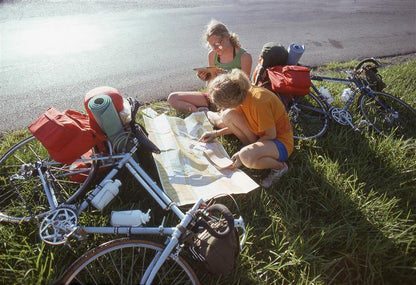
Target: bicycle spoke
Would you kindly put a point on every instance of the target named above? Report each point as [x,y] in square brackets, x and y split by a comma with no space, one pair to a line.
[308,117]
[24,163]
[127,260]
[387,115]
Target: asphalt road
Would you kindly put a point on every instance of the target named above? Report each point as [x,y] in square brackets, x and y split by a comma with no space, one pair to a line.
[53,52]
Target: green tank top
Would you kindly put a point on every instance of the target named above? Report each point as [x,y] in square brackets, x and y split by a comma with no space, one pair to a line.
[236,63]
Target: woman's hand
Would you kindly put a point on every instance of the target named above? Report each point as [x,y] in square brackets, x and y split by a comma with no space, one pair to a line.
[236,160]
[211,74]
[203,75]
[208,136]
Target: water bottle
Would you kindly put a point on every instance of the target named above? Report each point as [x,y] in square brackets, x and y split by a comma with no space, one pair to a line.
[327,95]
[106,194]
[346,94]
[131,218]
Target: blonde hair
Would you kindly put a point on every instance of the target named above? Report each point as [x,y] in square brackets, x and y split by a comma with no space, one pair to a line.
[229,90]
[216,28]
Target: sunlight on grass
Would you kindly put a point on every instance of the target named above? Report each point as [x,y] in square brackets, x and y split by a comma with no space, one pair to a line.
[345,213]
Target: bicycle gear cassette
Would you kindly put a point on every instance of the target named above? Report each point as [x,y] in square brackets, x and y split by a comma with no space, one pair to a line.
[58,226]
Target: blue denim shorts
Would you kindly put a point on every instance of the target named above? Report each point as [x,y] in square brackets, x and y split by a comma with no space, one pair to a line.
[282,150]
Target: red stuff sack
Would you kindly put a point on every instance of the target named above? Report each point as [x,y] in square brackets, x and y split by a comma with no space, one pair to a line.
[290,79]
[81,166]
[65,135]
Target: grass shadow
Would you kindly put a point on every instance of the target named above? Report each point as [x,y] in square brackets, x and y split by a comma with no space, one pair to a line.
[341,227]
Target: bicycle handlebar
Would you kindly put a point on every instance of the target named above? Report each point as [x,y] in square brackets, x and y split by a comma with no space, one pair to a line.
[371,60]
[138,130]
[228,216]
[144,140]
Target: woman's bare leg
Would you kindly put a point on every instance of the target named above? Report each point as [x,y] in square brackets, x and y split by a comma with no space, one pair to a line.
[261,155]
[234,120]
[187,101]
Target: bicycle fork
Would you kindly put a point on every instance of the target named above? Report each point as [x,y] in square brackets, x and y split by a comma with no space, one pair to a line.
[161,257]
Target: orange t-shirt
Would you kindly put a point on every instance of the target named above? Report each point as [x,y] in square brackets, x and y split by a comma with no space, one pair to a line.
[262,109]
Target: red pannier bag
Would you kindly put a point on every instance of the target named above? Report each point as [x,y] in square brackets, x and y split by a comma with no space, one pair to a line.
[290,79]
[65,135]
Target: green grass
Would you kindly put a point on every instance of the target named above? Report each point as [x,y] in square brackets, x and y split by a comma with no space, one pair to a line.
[343,214]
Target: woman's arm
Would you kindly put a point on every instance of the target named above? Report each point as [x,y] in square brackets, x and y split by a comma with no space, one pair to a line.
[210,136]
[269,134]
[211,61]
[246,63]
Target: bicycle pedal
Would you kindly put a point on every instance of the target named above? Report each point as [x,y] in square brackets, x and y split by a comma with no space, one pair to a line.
[80,234]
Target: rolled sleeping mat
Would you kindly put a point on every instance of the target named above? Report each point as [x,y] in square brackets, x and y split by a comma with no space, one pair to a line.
[110,91]
[295,53]
[106,115]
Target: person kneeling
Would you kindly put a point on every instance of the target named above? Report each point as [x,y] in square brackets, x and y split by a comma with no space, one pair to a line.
[259,120]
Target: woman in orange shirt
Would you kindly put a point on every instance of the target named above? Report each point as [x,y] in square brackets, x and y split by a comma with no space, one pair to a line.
[259,120]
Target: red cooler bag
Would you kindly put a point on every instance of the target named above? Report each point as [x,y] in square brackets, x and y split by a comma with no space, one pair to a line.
[65,135]
[290,79]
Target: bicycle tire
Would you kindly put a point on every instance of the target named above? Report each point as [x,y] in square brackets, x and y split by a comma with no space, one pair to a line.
[308,117]
[387,115]
[123,261]
[24,199]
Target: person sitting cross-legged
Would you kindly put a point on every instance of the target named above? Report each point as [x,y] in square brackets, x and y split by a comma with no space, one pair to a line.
[225,54]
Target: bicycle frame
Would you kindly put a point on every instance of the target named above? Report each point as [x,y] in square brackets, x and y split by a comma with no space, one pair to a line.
[63,218]
[359,88]
[347,81]
[341,115]
[66,225]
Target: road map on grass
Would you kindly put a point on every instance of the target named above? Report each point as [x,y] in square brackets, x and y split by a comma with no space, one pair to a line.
[190,170]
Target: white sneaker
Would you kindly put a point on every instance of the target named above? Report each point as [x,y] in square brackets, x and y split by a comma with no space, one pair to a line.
[236,160]
[274,175]
[203,109]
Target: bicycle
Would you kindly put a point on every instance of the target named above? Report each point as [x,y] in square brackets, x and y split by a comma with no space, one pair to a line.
[311,114]
[33,187]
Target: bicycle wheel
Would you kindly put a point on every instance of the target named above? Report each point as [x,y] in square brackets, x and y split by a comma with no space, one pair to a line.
[308,117]
[22,196]
[124,261]
[386,113]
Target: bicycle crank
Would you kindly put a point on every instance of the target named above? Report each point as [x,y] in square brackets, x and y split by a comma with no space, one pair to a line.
[341,116]
[58,226]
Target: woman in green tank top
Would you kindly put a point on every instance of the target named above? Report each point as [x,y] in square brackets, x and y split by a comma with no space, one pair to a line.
[235,63]
[225,53]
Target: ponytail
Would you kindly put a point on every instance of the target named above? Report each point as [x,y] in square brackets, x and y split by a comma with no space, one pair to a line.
[234,40]
[216,28]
